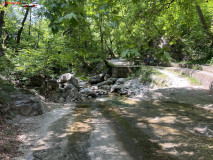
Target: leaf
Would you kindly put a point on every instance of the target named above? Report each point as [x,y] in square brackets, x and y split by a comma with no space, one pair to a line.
[70,16]
[130,53]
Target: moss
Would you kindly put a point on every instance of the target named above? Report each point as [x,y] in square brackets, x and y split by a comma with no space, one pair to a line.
[193,80]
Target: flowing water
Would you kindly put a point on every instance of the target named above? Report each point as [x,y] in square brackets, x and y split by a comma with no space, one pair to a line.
[116,128]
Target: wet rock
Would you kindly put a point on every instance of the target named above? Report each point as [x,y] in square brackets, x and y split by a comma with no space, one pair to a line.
[120,81]
[88,92]
[83,105]
[108,82]
[90,97]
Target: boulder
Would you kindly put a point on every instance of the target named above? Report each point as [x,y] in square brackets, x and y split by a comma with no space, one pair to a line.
[88,92]
[106,87]
[108,82]
[97,79]
[131,82]
[94,87]
[26,105]
[65,78]
[116,88]
[72,95]
[83,84]
[74,82]
[101,92]
[120,81]
[113,80]
[61,100]
[107,76]
[67,87]
[54,97]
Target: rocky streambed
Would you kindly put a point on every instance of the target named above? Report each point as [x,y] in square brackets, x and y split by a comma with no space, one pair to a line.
[163,123]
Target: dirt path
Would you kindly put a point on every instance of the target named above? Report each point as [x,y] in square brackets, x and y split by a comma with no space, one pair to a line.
[166,123]
[175,80]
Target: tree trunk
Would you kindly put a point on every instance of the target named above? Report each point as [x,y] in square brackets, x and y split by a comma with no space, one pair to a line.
[5,40]
[204,24]
[2,13]
[38,37]
[22,26]
[30,23]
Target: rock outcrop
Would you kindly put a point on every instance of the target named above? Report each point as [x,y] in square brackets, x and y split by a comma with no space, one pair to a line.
[26,105]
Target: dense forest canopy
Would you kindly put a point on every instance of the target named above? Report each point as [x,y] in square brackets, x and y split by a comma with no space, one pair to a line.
[60,35]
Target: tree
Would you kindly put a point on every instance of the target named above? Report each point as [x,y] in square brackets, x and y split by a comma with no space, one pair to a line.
[2,13]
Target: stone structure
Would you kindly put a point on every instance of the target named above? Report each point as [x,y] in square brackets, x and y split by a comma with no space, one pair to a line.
[122,68]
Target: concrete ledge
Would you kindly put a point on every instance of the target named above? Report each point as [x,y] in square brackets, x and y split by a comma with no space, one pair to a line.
[190,66]
[206,78]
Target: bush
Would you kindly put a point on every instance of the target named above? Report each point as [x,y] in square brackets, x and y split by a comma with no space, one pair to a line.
[144,74]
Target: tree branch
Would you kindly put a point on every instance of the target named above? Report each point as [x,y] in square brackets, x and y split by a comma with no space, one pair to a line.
[166,4]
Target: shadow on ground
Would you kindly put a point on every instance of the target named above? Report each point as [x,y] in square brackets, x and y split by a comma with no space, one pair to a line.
[168,126]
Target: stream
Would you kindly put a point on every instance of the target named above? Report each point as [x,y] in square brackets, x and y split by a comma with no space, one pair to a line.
[118,128]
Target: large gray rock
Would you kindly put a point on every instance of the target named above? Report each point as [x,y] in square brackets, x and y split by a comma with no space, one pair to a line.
[132,82]
[74,82]
[67,87]
[54,97]
[107,76]
[69,79]
[108,82]
[116,88]
[113,80]
[65,78]
[26,105]
[97,79]
[83,84]
[101,92]
[88,92]
[72,95]
[120,81]
[105,87]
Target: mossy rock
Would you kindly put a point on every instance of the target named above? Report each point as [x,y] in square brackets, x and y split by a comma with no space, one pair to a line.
[83,105]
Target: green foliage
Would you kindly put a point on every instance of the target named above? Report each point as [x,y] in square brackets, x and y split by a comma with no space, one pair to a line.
[144,74]
[130,54]
[193,80]
[6,88]
[86,31]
